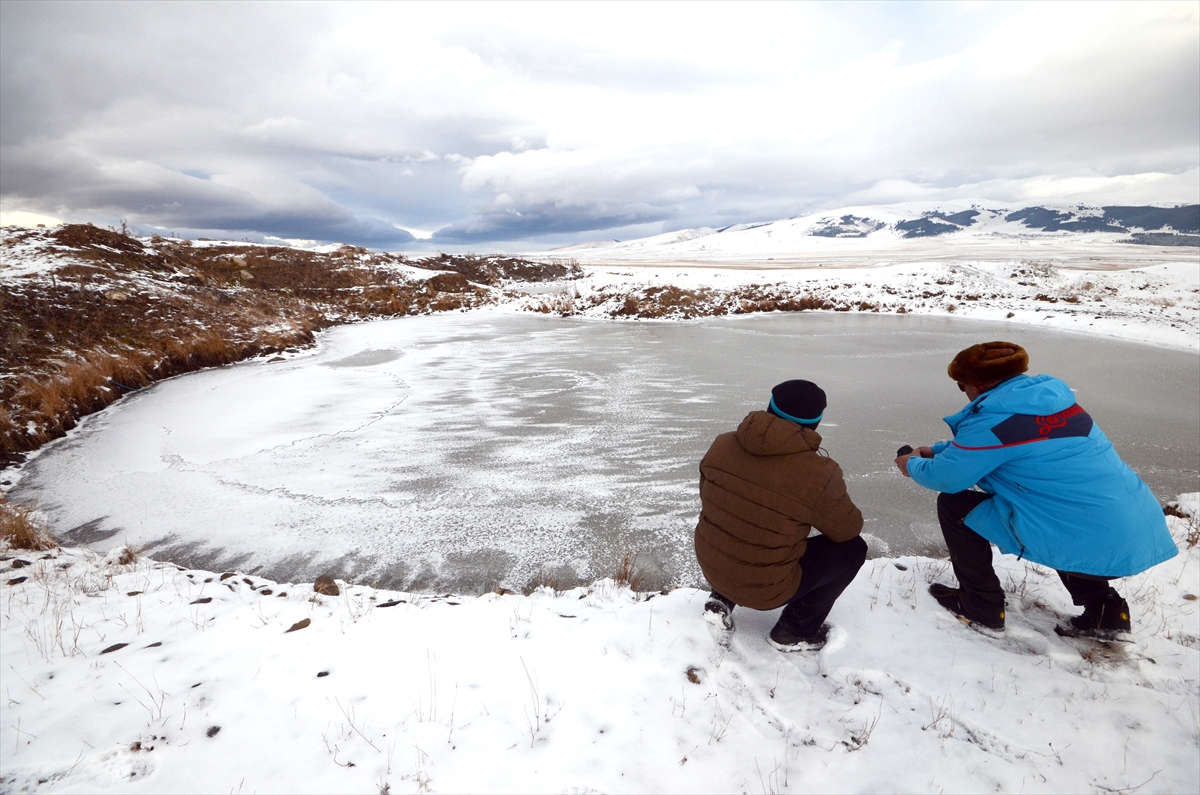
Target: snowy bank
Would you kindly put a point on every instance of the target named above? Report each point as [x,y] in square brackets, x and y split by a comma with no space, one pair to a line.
[1157,304]
[144,677]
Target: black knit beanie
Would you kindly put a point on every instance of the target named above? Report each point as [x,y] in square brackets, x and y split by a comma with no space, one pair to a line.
[802,402]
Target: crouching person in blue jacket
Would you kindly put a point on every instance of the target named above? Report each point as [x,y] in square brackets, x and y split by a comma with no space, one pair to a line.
[1051,489]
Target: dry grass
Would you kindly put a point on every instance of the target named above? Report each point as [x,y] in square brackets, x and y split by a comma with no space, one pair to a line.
[52,401]
[675,302]
[543,579]
[19,529]
[626,571]
[127,556]
[1192,529]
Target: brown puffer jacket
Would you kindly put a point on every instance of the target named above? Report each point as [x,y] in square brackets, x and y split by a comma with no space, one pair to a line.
[761,490]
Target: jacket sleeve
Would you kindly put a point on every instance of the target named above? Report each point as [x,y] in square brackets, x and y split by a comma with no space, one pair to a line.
[955,469]
[835,514]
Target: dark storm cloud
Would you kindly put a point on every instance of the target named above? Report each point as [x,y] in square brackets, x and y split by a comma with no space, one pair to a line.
[515,123]
[544,220]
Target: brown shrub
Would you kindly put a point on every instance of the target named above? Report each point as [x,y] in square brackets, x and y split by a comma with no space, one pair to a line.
[20,530]
[449,283]
[808,302]
[448,302]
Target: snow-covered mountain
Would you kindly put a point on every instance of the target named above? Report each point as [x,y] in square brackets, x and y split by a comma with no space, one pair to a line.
[966,227]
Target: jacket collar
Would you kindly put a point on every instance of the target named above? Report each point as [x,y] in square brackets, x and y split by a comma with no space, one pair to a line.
[979,404]
[763,433]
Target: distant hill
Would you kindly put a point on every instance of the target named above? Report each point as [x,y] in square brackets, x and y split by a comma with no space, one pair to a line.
[987,226]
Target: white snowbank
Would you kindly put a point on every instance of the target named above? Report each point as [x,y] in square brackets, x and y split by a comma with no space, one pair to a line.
[596,689]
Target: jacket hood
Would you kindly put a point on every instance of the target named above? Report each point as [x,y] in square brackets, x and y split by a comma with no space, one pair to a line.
[1039,395]
[762,433]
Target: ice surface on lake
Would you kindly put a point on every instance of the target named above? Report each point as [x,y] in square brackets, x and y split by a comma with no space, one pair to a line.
[467,451]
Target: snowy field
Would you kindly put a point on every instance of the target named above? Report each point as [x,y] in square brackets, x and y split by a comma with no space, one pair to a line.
[146,677]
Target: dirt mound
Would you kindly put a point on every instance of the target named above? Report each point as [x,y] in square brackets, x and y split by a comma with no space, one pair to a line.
[86,235]
[497,270]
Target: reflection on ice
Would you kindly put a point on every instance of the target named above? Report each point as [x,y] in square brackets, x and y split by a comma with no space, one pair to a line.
[464,452]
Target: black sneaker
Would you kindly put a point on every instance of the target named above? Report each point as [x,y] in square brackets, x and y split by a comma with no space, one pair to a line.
[718,611]
[785,639]
[951,599]
[1106,619]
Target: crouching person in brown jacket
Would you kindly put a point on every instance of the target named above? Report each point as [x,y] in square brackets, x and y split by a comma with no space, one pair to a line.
[762,489]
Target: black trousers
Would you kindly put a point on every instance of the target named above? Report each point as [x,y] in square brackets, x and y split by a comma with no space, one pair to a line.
[971,557]
[828,568]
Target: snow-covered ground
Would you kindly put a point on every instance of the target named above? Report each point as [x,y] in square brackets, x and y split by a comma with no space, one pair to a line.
[145,677]
[1153,303]
[600,689]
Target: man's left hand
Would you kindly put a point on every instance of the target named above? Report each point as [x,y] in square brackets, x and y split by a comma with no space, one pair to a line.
[902,465]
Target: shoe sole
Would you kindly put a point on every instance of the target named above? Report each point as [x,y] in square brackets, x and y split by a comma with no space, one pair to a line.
[1103,635]
[978,627]
[789,648]
[722,621]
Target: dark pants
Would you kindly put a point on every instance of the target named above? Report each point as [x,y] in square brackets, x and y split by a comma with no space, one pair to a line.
[828,568]
[971,557]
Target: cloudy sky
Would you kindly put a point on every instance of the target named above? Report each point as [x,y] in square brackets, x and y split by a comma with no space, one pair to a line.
[508,126]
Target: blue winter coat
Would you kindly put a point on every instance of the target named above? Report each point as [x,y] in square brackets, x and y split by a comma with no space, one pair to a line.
[1063,497]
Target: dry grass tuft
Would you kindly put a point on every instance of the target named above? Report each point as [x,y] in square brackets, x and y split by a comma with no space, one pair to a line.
[127,556]
[20,530]
[543,579]
[627,572]
[1192,530]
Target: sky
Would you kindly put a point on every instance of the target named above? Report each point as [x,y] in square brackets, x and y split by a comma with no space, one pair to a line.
[512,126]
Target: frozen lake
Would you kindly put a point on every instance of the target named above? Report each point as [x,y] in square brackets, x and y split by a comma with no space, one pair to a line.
[461,452]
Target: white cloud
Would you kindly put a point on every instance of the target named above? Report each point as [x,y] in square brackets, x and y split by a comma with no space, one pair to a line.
[22,218]
[1146,188]
[528,120]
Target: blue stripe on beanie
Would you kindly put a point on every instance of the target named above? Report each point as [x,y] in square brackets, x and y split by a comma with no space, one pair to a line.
[787,416]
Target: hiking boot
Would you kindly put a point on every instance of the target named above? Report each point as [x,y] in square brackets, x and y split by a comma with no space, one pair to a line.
[718,611]
[1104,619]
[952,600]
[786,639]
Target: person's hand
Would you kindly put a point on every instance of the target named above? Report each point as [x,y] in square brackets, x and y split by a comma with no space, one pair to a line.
[924,452]
[902,464]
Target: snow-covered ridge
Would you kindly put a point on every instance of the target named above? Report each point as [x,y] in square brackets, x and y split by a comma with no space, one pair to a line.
[965,228]
[144,677]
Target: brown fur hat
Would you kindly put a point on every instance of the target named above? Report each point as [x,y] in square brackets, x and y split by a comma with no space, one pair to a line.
[989,363]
